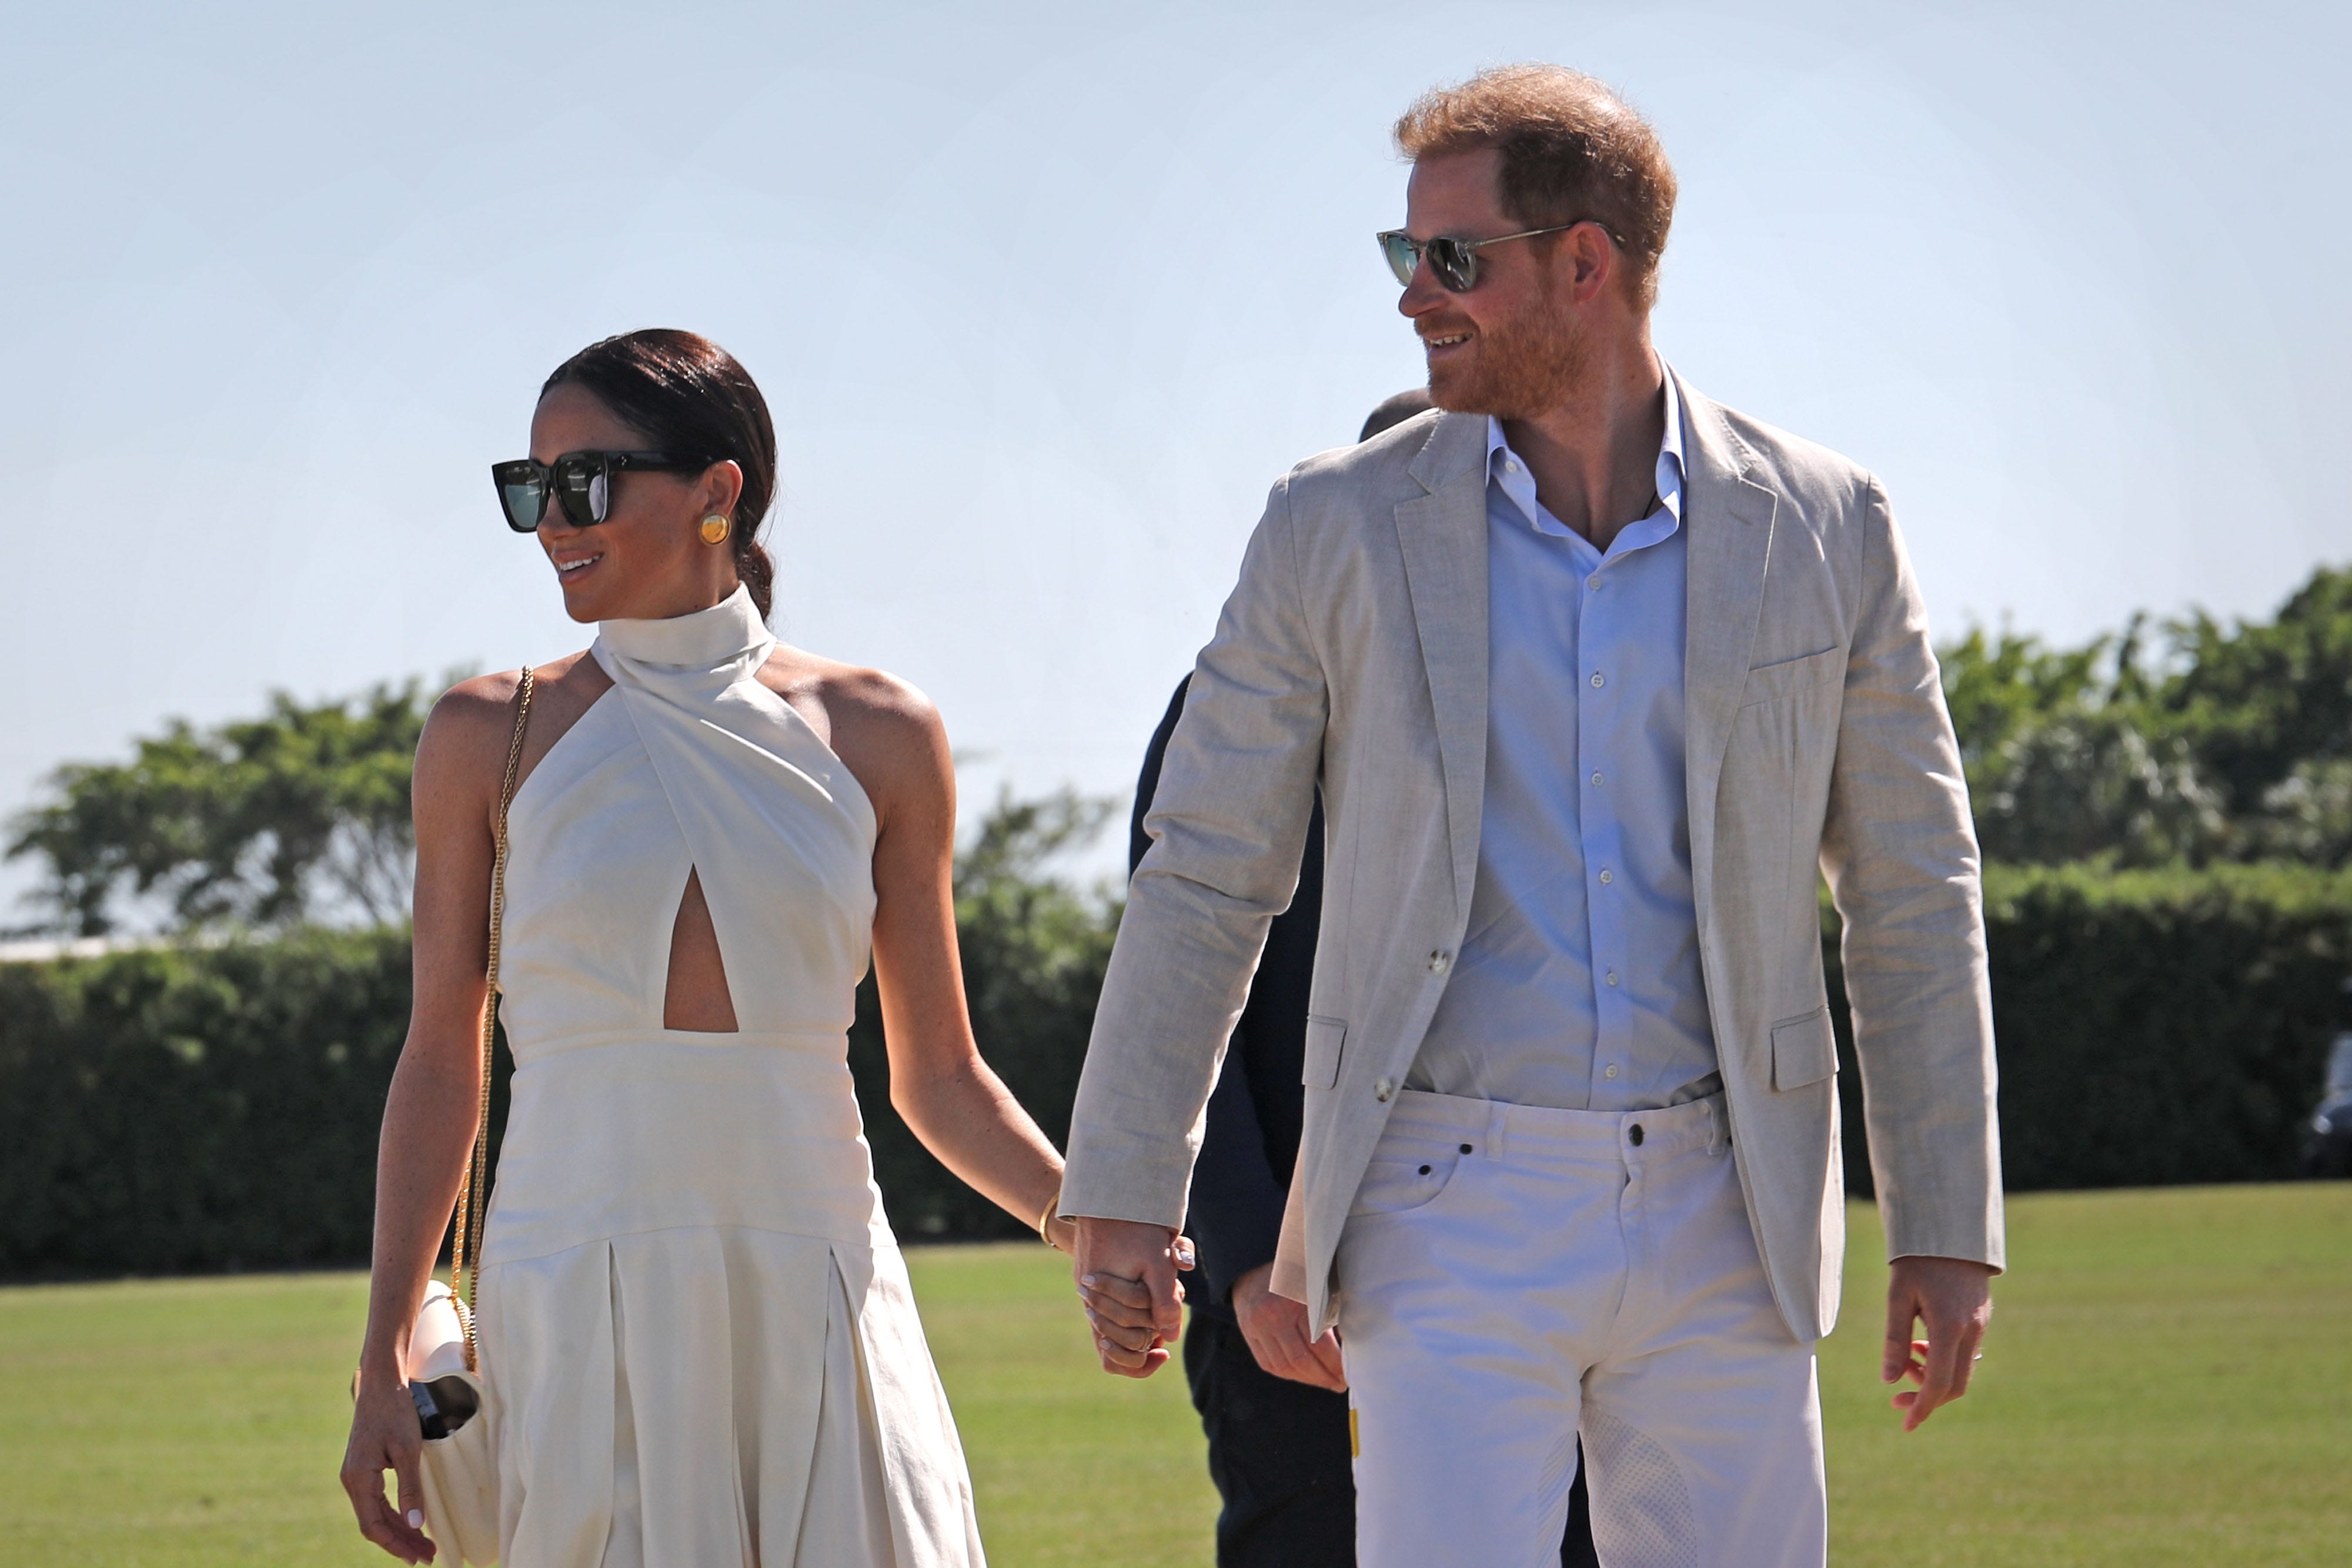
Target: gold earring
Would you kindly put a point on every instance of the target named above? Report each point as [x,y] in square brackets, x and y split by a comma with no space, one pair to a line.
[716,527]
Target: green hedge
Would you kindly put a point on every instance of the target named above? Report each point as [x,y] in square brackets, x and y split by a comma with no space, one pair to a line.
[217,1108]
[188,1108]
[200,1108]
[2154,1027]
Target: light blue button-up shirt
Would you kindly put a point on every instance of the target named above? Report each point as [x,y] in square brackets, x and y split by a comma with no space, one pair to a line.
[1578,985]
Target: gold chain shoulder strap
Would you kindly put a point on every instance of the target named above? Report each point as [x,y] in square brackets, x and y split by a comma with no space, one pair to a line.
[467,1244]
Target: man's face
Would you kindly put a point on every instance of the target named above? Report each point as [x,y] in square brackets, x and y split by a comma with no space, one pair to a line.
[1514,345]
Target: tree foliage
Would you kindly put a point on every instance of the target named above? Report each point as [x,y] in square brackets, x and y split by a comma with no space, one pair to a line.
[2204,742]
[261,822]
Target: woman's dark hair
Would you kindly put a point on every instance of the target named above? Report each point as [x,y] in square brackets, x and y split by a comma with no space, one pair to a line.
[689,397]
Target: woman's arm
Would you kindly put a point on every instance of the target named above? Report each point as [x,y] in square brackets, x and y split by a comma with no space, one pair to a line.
[430,1114]
[893,739]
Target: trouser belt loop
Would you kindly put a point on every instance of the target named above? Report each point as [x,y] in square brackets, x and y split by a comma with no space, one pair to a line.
[1497,1118]
[1715,1139]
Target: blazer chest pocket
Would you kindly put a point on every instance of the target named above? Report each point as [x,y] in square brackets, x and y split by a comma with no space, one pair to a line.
[1803,1050]
[1325,1038]
[1769,682]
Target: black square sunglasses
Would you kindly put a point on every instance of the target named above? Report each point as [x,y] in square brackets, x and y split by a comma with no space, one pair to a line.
[581,482]
[1453,261]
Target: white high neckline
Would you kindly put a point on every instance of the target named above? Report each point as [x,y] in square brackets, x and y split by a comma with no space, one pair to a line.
[703,639]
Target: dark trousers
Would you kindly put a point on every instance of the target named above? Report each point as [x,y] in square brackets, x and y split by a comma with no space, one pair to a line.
[1279,1455]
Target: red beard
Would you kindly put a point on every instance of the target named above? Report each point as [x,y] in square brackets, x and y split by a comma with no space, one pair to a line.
[1518,369]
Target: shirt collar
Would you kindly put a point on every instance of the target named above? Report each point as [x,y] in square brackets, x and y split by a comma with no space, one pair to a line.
[1504,470]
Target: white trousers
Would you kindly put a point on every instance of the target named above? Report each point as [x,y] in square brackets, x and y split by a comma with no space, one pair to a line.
[1511,1275]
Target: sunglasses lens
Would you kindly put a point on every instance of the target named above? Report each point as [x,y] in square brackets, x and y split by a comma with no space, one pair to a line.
[522,492]
[1456,263]
[584,485]
[1399,249]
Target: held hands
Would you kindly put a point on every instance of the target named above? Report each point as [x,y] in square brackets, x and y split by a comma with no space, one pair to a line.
[1952,1299]
[385,1437]
[1126,1274]
[1276,1328]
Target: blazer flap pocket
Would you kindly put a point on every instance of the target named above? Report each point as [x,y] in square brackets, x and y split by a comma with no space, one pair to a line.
[1791,676]
[1803,1050]
[1323,1039]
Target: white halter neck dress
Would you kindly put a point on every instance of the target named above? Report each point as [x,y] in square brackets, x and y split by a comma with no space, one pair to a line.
[695,1322]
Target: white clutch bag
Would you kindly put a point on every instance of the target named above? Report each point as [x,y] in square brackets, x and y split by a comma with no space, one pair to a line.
[460,1470]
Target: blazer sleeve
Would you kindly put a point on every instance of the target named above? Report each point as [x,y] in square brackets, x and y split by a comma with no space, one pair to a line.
[1899,849]
[1236,1207]
[1227,826]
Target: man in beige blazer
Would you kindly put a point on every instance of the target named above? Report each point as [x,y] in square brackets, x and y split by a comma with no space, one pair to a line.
[1596,677]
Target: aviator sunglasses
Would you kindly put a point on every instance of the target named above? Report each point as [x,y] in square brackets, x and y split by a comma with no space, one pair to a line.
[1453,262]
[581,482]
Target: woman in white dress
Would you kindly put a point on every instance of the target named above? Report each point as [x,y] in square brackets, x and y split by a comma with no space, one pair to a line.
[695,1326]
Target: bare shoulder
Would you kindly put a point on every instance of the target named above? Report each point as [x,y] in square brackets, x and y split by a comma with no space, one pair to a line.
[463,747]
[884,728]
[466,721]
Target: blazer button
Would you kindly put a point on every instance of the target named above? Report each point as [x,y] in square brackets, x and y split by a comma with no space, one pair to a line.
[1384,1090]
[1440,961]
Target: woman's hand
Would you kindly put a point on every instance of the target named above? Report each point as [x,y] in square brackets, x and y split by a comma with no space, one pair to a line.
[385,1437]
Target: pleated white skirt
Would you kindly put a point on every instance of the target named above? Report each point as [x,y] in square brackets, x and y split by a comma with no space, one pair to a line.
[720,1395]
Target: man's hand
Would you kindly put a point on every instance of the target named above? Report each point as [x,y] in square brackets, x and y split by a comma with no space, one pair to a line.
[1276,1328]
[1951,1298]
[1126,1276]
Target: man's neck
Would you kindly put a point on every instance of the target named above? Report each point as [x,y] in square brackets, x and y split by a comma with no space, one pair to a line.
[1594,459]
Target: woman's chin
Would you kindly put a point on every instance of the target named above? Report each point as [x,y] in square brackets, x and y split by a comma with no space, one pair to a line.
[583,603]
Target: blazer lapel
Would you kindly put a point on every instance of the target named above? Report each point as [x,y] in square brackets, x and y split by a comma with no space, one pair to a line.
[1730,544]
[1444,537]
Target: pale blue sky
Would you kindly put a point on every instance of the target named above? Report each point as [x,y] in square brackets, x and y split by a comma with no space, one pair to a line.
[1045,296]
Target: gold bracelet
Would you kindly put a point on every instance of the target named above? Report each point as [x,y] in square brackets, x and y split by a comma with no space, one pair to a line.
[1045,1219]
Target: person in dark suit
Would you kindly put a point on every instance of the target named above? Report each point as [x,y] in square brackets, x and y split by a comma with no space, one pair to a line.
[1270,1401]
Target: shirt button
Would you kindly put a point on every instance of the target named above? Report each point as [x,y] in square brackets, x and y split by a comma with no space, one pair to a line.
[1612,977]
[1610,1073]
[1441,961]
[1593,582]
[1596,779]
[1597,680]
[1384,1090]
[1607,877]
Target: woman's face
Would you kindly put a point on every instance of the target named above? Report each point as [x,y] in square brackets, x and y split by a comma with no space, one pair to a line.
[646,560]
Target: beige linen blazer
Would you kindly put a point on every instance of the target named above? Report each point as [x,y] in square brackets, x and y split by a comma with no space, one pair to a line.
[1352,655]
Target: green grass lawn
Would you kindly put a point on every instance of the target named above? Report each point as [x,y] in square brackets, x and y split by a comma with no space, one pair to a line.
[2167,1383]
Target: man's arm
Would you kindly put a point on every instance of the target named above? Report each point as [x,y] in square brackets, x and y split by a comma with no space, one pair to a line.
[1227,826]
[1899,850]
[1237,1208]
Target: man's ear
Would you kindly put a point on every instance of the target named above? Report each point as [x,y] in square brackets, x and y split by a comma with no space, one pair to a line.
[1593,259]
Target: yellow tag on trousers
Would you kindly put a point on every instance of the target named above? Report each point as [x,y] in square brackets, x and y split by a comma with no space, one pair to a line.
[1355,1437]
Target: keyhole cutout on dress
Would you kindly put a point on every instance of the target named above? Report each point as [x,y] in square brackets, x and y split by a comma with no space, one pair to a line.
[696,997]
